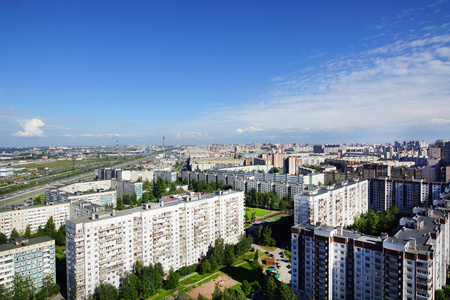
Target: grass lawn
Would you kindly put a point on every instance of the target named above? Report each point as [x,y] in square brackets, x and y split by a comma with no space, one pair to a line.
[54,164]
[245,271]
[249,255]
[162,294]
[200,283]
[288,254]
[276,218]
[194,278]
[258,212]
[267,248]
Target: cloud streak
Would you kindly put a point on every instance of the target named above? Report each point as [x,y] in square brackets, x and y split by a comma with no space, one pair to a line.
[380,89]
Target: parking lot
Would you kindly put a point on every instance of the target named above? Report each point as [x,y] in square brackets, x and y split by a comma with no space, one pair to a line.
[282,263]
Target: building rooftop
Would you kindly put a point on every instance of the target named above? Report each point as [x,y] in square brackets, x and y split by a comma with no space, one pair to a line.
[22,207]
[152,206]
[33,241]
[414,237]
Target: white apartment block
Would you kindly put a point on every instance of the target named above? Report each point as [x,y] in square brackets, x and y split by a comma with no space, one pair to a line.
[335,206]
[85,186]
[142,174]
[100,197]
[79,209]
[266,186]
[332,263]
[240,184]
[176,234]
[385,193]
[281,189]
[124,187]
[34,258]
[252,184]
[35,216]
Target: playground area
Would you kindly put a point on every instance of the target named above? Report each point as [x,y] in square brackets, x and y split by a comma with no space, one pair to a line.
[223,281]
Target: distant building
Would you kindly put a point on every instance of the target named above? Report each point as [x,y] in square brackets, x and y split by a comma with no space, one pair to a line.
[34,258]
[99,197]
[385,193]
[37,215]
[131,188]
[6,171]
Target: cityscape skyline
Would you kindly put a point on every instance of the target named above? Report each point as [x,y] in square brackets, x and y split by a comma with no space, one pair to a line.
[212,73]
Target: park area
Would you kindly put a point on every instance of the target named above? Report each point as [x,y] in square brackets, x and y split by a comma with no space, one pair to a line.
[206,289]
[262,215]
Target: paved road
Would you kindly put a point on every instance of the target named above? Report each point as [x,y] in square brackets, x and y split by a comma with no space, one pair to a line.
[25,195]
[284,271]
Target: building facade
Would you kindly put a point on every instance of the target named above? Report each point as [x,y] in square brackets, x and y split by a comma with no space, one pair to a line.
[99,197]
[175,234]
[332,263]
[35,216]
[385,193]
[125,187]
[34,258]
[335,206]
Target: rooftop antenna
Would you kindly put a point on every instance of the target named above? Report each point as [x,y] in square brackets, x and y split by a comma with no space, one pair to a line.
[164,147]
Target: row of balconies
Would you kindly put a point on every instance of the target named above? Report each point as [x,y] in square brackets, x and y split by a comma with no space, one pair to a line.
[110,228]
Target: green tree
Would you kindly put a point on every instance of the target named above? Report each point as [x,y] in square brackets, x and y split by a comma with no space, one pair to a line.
[129,287]
[272,289]
[38,200]
[14,234]
[256,258]
[28,231]
[217,294]
[439,295]
[23,288]
[159,188]
[246,287]
[255,286]
[120,205]
[253,220]
[49,227]
[267,238]
[285,292]
[5,294]
[446,290]
[60,236]
[172,279]
[3,240]
[106,291]
[229,254]
[48,289]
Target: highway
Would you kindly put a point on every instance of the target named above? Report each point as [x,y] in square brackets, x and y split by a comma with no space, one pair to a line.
[31,193]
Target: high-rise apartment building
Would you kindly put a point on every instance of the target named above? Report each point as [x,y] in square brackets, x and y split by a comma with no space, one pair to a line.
[125,187]
[332,263]
[175,234]
[385,193]
[335,205]
[35,216]
[33,258]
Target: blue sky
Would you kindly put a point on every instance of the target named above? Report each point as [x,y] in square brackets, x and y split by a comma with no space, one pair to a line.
[204,72]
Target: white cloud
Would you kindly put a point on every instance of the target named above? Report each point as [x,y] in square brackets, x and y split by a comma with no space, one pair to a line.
[249,129]
[68,135]
[193,135]
[109,135]
[31,128]
[438,121]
